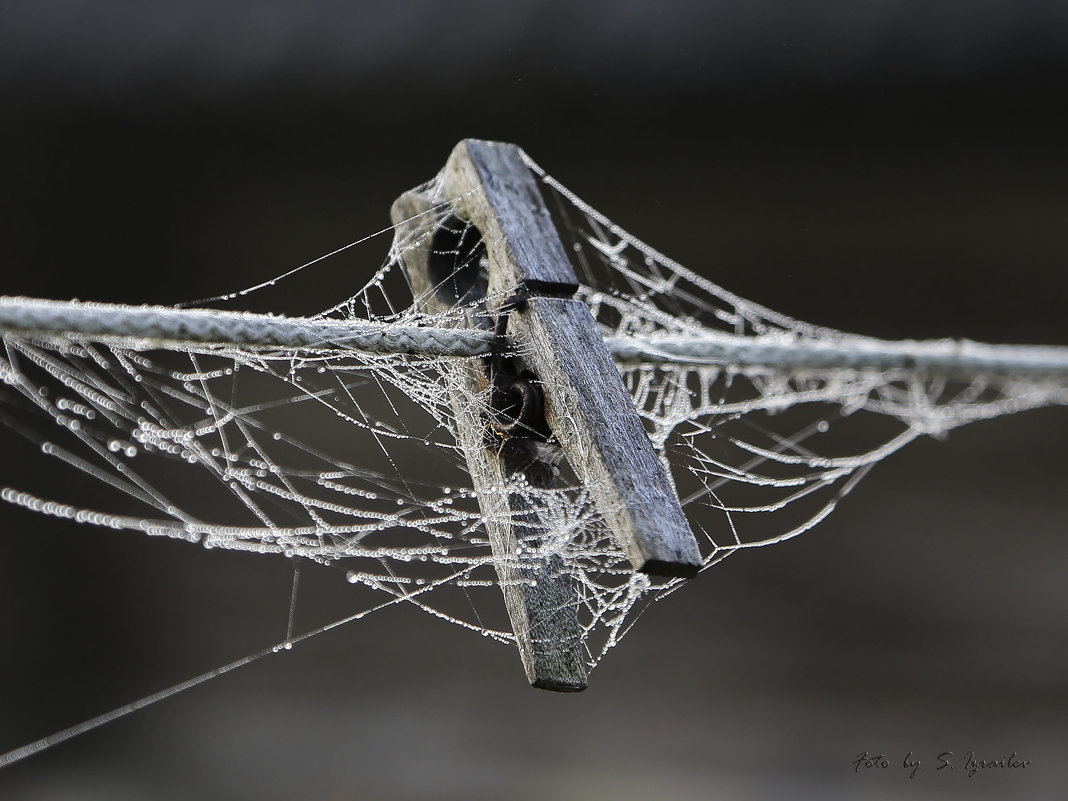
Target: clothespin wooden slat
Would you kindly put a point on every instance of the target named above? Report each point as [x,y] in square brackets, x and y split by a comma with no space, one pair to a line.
[586,405]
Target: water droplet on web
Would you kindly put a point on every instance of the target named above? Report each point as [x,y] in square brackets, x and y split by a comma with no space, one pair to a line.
[823,426]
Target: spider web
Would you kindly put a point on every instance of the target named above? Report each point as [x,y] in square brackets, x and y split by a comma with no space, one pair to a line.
[352,459]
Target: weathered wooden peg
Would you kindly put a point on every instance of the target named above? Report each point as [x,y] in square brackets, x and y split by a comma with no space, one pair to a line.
[563,389]
[442,265]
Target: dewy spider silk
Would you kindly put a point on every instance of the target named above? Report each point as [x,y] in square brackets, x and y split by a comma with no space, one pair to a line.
[306,440]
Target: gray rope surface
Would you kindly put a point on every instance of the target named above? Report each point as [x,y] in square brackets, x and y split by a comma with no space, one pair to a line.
[146,327]
[951,357]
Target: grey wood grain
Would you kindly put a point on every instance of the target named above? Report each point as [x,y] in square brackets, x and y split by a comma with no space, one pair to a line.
[587,406]
[593,417]
[494,189]
[541,601]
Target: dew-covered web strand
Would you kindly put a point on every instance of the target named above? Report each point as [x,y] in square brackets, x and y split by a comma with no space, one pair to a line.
[293,604]
[36,747]
[43,744]
[349,457]
[291,272]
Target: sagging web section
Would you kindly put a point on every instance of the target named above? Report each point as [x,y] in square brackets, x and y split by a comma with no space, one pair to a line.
[350,460]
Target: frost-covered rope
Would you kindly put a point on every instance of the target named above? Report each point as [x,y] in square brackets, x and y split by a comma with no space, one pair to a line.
[154,326]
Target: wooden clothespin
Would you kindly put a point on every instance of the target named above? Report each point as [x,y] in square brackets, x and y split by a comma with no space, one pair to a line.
[564,386]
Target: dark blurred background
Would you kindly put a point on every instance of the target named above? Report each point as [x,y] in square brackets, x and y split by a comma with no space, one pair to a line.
[895,169]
